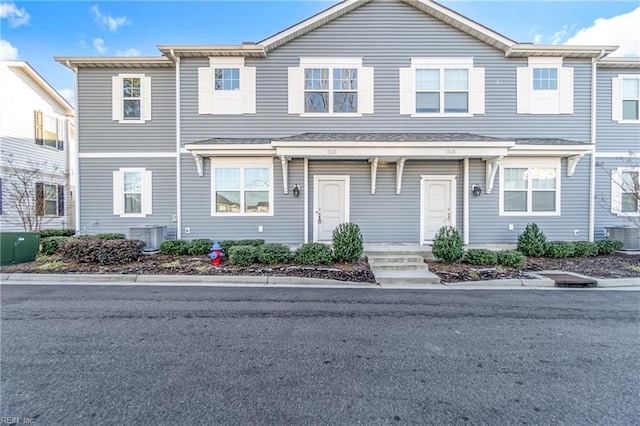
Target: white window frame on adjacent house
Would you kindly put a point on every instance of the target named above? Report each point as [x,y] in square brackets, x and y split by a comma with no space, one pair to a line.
[49,130]
[301,86]
[619,97]
[119,193]
[531,165]
[221,93]
[49,194]
[411,87]
[536,97]
[119,97]
[241,164]
[618,190]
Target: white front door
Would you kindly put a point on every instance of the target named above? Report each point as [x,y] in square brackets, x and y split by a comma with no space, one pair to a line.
[437,206]
[330,205]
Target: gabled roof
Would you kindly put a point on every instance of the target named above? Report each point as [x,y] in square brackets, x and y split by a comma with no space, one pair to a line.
[114,62]
[42,83]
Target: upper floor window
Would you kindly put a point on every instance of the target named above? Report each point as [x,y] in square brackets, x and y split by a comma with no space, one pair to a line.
[49,130]
[530,189]
[625,188]
[331,86]
[132,192]
[545,79]
[625,98]
[442,87]
[545,87]
[227,78]
[242,187]
[226,87]
[131,98]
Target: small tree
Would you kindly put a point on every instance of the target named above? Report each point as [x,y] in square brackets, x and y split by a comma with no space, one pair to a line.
[23,189]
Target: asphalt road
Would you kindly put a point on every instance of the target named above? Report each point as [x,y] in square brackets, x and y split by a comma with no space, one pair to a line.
[79,355]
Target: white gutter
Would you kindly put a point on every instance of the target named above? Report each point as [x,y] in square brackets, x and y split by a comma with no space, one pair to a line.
[465,201]
[76,159]
[178,159]
[306,200]
[592,178]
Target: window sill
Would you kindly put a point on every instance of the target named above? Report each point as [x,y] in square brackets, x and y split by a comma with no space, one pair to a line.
[441,115]
[133,215]
[241,214]
[628,121]
[621,214]
[330,114]
[530,214]
[132,121]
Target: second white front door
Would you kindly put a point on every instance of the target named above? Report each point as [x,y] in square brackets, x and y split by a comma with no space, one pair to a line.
[330,205]
[438,202]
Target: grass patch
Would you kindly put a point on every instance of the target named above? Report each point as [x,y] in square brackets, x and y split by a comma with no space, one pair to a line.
[202,269]
[173,264]
[633,268]
[52,265]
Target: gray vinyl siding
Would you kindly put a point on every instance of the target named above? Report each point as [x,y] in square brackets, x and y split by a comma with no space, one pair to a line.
[386,216]
[386,34]
[603,215]
[487,226]
[611,135]
[96,195]
[99,133]
[285,226]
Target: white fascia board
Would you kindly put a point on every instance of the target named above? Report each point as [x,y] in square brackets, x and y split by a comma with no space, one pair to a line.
[230,150]
[341,152]
[383,144]
[550,150]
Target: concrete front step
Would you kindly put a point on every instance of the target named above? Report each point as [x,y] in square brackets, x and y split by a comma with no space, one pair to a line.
[405,277]
[399,266]
[394,258]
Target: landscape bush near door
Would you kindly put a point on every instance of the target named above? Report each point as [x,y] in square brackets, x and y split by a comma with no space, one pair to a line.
[532,242]
[448,246]
[347,243]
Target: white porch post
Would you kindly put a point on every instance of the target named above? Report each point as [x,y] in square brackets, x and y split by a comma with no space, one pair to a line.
[465,202]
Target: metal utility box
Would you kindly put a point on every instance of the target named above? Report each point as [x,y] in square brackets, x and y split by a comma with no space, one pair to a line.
[18,247]
[630,236]
[152,235]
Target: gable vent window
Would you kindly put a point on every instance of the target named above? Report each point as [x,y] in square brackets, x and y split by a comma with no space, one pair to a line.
[545,87]
[226,87]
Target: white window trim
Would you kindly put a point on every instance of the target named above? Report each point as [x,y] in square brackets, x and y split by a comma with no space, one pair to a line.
[212,101]
[364,92]
[536,102]
[118,192]
[45,199]
[476,86]
[616,98]
[616,192]
[117,98]
[531,163]
[242,163]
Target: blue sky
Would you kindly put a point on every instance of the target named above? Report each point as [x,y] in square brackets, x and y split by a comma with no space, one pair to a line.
[35,31]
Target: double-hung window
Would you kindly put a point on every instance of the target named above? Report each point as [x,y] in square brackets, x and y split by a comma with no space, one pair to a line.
[330,86]
[625,104]
[131,98]
[532,190]
[242,187]
[442,87]
[49,199]
[49,130]
[625,191]
[132,192]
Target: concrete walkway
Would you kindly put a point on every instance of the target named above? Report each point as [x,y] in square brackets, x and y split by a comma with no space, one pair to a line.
[263,281]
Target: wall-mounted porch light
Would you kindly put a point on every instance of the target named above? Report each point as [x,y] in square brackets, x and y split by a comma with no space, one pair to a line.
[296,190]
[476,190]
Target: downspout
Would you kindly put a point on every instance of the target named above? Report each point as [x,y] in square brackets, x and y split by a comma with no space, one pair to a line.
[465,202]
[178,159]
[592,178]
[76,154]
[306,200]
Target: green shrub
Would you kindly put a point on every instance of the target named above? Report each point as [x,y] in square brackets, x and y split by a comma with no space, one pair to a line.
[511,259]
[480,257]
[174,247]
[110,236]
[50,244]
[199,247]
[560,249]
[273,253]
[609,246]
[227,244]
[313,254]
[243,255]
[104,252]
[448,246]
[250,243]
[46,233]
[532,242]
[585,249]
[347,242]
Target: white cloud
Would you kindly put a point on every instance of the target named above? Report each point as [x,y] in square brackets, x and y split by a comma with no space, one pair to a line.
[98,44]
[621,30]
[68,94]
[557,37]
[7,51]
[537,38]
[111,23]
[128,52]
[15,16]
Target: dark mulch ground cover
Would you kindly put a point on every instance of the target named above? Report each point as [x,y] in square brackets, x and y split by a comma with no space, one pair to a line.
[617,265]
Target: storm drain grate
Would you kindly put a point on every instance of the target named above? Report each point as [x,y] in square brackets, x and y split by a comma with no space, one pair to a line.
[570,280]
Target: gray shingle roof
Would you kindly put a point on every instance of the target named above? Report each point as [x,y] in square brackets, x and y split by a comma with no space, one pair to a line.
[547,141]
[389,137]
[212,141]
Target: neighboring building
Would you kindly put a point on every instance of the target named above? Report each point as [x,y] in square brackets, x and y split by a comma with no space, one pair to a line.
[36,131]
[392,114]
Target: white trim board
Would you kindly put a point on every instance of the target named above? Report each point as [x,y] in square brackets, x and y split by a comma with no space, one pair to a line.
[127,155]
